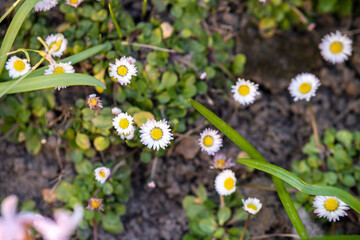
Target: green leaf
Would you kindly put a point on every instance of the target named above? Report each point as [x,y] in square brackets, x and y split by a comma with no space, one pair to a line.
[238,64]
[223,215]
[345,137]
[83,141]
[325,6]
[299,184]
[33,144]
[145,156]
[65,191]
[141,117]
[219,233]
[252,152]
[201,193]
[13,29]
[329,137]
[169,79]
[103,121]
[207,226]
[84,167]
[112,223]
[48,81]
[101,143]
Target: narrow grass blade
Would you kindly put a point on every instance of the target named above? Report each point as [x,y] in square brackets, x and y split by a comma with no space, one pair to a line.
[249,149]
[13,29]
[74,58]
[115,22]
[299,184]
[54,80]
[338,237]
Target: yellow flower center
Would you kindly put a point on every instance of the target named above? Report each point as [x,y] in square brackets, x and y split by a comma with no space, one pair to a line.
[56,45]
[331,204]
[244,90]
[73,1]
[93,102]
[305,88]
[252,206]
[124,123]
[220,163]
[156,133]
[336,47]
[122,70]
[19,65]
[95,203]
[102,173]
[208,141]
[229,183]
[59,70]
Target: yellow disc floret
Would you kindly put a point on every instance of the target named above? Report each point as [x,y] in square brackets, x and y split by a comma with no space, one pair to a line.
[220,163]
[305,88]
[93,102]
[244,90]
[56,45]
[336,47]
[102,173]
[208,141]
[124,123]
[122,70]
[19,65]
[252,206]
[73,1]
[156,133]
[331,204]
[59,70]
[95,203]
[229,183]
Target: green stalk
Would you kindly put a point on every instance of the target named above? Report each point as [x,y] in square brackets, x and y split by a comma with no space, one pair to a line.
[13,29]
[252,152]
[115,22]
[9,10]
[144,8]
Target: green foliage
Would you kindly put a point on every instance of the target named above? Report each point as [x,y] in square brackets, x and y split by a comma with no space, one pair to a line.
[339,168]
[208,221]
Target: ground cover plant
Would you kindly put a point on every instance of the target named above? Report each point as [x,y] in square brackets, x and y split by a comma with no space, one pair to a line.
[138,137]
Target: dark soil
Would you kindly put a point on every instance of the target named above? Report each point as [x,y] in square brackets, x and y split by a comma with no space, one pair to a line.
[275,124]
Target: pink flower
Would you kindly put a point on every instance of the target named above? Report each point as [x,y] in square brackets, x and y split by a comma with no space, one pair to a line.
[151,184]
[115,110]
[203,76]
[220,162]
[12,225]
[94,102]
[63,226]
[95,204]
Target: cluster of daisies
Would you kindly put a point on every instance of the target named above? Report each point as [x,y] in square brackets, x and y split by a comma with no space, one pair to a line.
[334,47]
[46,5]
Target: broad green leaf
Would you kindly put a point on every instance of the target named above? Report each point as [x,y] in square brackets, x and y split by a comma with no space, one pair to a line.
[83,141]
[65,191]
[345,137]
[201,193]
[207,226]
[33,144]
[84,167]
[223,215]
[145,156]
[48,81]
[101,143]
[169,79]
[299,184]
[238,64]
[325,6]
[112,223]
[141,117]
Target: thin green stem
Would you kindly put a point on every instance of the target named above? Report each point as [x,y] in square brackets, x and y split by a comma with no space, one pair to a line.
[115,22]
[144,8]
[245,227]
[9,10]
[315,131]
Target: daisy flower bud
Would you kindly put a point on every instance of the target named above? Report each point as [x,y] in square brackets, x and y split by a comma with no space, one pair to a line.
[94,102]
[57,44]
[155,134]
[95,204]
[17,67]
[115,110]
[220,162]
[304,86]
[225,183]
[210,141]
[330,207]
[123,123]
[59,68]
[122,70]
[45,5]
[101,174]
[245,91]
[203,76]
[252,205]
[335,48]
[131,60]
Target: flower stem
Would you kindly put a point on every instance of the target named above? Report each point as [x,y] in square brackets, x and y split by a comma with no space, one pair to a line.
[315,130]
[245,227]
[9,10]
[222,202]
[153,168]
[144,8]
[333,228]
[95,229]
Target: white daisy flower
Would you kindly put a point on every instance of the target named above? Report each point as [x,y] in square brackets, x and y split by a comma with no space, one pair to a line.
[245,91]
[203,75]
[74,3]
[335,48]
[17,67]
[58,42]
[59,68]
[130,135]
[116,111]
[94,102]
[45,5]
[210,141]
[101,174]
[131,60]
[252,205]
[225,182]
[155,134]
[330,207]
[122,70]
[123,123]
[304,86]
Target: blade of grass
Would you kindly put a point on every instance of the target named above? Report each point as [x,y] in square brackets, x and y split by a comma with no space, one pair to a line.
[302,186]
[13,29]
[9,10]
[338,237]
[115,22]
[249,149]
[54,80]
